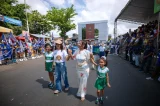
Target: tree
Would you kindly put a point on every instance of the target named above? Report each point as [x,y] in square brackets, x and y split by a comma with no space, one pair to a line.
[14,10]
[38,23]
[62,19]
[84,33]
[96,31]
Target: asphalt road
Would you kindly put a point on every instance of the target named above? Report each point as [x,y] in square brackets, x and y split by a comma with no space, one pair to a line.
[25,84]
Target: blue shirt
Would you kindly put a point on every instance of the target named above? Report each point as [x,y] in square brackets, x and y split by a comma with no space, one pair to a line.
[74,48]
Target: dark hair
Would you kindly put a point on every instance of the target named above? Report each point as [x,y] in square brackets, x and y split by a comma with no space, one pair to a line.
[47,44]
[60,47]
[104,61]
[85,44]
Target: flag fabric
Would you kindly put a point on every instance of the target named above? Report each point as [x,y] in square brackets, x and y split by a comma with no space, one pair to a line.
[21,46]
[52,37]
[4,38]
[11,36]
[10,41]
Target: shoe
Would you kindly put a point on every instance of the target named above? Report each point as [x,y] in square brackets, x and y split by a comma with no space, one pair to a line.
[149,78]
[97,101]
[51,85]
[101,101]
[66,89]
[82,98]
[56,91]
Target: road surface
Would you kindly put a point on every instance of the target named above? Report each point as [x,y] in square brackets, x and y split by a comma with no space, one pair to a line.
[25,84]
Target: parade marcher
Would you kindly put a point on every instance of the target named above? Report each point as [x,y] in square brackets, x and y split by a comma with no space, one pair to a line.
[101,50]
[60,56]
[82,56]
[107,49]
[102,79]
[49,64]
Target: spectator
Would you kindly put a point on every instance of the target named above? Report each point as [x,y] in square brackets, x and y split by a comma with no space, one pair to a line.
[147,57]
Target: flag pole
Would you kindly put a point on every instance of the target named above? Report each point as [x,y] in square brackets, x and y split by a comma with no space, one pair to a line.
[26,17]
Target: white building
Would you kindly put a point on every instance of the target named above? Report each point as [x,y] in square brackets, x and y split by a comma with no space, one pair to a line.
[102,26]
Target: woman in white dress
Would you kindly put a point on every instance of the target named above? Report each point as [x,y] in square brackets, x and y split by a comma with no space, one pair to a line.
[82,56]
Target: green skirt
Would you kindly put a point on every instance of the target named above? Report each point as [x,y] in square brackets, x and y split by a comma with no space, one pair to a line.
[49,67]
[101,83]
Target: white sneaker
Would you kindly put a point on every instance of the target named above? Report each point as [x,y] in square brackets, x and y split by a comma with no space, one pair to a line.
[149,78]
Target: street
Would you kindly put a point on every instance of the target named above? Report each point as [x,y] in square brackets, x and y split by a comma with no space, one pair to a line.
[26,84]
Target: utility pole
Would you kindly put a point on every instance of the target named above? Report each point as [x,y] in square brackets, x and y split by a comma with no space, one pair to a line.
[26,16]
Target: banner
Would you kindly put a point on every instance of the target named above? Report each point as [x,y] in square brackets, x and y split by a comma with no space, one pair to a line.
[12,21]
[5,53]
[156,6]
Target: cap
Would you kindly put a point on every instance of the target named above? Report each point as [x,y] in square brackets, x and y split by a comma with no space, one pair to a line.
[58,42]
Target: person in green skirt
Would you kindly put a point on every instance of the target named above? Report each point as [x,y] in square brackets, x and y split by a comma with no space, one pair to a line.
[102,80]
[49,64]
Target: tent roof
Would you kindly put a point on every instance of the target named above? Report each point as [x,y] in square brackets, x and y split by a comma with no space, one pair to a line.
[141,11]
[40,36]
[5,30]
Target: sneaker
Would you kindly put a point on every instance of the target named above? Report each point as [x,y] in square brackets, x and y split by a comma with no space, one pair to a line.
[51,85]
[66,89]
[149,78]
[56,91]
[101,101]
[97,101]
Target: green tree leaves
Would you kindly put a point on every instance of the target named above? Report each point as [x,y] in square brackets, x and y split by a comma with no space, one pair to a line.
[62,19]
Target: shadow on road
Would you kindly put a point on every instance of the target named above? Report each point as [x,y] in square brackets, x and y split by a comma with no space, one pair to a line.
[43,83]
[73,91]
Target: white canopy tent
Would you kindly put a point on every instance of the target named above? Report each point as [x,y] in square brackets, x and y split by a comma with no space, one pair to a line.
[136,11]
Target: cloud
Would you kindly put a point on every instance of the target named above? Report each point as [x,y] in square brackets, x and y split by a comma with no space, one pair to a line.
[88,10]
[40,5]
[57,2]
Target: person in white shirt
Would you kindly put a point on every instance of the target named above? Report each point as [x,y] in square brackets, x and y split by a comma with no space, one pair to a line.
[60,56]
[90,47]
[82,56]
[101,50]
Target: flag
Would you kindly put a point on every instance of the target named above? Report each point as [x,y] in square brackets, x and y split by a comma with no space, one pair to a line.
[52,36]
[43,41]
[4,38]
[11,37]
[26,37]
[21,46]
[10,41]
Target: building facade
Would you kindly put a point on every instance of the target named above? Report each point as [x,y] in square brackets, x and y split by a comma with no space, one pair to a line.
[92,30]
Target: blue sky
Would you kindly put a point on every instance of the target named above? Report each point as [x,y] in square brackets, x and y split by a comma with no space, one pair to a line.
[88,10]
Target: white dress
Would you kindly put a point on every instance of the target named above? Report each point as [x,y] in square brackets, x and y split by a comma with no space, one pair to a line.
[82,58]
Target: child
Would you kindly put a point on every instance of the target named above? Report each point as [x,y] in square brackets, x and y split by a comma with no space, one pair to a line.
[49,64]
[102,80]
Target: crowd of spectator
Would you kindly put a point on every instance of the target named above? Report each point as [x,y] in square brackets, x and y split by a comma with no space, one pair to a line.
[141,48]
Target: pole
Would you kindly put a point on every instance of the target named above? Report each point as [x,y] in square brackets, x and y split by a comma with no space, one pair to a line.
[158,32]
[26,17]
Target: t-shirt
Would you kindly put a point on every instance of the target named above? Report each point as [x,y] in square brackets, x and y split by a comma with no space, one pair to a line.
[49,57]
[101,49]
[60,56]
[101,72]
[90,48]
[74,48]
[82,57]
[148,50]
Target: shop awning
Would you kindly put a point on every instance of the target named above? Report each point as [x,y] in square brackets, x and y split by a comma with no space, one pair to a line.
[5,30]
[40,36]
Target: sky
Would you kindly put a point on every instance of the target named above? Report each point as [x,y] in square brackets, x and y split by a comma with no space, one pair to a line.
[88,10]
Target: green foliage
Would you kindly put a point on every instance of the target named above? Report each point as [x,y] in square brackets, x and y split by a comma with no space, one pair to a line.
[96,31]
[38,23]
[17,11]
[83,33]
[62,19]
